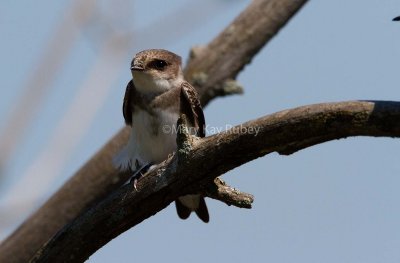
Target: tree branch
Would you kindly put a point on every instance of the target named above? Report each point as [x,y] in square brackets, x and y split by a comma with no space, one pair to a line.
[284,132]
[236,46]
[97,177]
[219,190]
[216,189]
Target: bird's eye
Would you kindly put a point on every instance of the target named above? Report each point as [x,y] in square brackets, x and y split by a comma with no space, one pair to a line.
[159,64]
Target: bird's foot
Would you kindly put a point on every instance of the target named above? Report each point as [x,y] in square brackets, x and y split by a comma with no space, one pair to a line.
[139,174]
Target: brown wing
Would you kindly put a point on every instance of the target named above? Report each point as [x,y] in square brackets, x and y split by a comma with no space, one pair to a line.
[192,108]
[127,107]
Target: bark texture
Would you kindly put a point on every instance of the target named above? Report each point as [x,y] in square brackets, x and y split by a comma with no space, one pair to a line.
[284,132]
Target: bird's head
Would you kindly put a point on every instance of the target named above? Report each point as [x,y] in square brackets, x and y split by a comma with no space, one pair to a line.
[156,70]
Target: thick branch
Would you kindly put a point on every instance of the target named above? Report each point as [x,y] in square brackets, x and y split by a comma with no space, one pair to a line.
[98,178]
[283,132]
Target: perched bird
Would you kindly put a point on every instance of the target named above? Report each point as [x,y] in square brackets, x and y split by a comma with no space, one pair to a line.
[154,99]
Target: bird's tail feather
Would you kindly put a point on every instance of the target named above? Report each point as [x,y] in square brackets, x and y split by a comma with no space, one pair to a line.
[182,210]
[200,209]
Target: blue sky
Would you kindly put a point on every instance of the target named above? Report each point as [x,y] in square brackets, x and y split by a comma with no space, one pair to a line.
[335,202]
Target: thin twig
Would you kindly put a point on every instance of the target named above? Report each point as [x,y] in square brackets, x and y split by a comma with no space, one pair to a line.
[219,190]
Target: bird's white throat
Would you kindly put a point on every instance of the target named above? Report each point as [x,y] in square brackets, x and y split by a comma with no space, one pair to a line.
[145,82]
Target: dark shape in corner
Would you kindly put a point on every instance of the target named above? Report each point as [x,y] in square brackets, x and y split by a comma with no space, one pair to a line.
[396,18]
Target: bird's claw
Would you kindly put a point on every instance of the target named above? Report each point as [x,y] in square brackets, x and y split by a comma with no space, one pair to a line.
[139,174]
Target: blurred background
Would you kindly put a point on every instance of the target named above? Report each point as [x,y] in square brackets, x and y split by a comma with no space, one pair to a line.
[65,66]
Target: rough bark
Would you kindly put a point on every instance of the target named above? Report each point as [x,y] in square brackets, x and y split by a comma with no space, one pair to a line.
[219,190]
[196,166]
[231,51]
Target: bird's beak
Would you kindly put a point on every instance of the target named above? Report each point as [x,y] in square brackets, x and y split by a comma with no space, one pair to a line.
[137,66]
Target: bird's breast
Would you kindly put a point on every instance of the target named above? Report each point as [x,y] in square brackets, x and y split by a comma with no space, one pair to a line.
[155,133]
